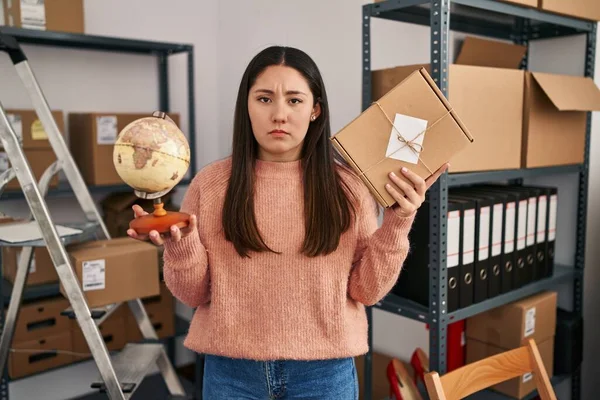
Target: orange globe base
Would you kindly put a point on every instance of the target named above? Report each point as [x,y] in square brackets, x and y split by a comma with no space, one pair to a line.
[160,220]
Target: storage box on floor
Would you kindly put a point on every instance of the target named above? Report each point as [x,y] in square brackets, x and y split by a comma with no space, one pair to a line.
[519,118]
[53,15]
[35,144]
[92,137]
[509,327]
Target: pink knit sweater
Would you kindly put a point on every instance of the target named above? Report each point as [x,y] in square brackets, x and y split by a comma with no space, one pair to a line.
[286,306]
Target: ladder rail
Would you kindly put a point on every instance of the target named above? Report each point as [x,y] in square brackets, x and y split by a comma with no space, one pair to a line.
[59,257]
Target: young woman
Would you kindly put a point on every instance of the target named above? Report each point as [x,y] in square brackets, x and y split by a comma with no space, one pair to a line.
[283,251]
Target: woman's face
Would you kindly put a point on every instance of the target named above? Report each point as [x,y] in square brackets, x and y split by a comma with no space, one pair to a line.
[280,105]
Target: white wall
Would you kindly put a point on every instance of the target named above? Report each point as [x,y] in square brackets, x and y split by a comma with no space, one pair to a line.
[226,35]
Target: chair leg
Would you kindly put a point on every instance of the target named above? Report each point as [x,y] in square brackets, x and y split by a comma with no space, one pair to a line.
[434,386]
[539,373]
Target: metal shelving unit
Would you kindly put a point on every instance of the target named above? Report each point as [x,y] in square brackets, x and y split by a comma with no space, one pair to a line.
[498,20]
[161,51]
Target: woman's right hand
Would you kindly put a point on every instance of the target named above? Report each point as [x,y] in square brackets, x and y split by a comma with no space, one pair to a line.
[175,234]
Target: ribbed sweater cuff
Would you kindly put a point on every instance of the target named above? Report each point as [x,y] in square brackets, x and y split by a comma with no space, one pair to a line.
[184,253]
[395,228]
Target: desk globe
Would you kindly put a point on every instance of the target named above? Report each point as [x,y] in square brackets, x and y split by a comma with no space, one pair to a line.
[152,155]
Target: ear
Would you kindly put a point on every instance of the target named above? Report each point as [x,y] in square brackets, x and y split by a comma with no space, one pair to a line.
[316,110]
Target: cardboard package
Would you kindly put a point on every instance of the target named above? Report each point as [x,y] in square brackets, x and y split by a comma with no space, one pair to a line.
[161,311]
[115,270]
[586,9]
[555,118]
[41,269]
[92,137]
[511,325]
[412,125]
[529,3]
[117,211]
[27,362]
[519,387]
[52,15]
[41,319]
[486,89]
[35,144]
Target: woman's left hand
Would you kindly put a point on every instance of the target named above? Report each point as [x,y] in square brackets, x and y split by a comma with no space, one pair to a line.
[410,197]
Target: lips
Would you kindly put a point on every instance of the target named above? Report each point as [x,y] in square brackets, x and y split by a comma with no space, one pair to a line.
[278,132]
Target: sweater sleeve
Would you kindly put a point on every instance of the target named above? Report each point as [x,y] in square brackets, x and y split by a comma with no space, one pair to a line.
[380,253]
[185,270]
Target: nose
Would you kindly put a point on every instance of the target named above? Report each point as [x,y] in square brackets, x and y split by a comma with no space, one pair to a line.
[279,113]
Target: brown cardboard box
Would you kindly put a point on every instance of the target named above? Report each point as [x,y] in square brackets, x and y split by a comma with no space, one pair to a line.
[517,387]
[53,15]
[486,89]
[28,126]
[555,118]
[112,331]
[41,319]
[118,214]
[115,270]
[41,269]
[92,136]
[587,9]
[510,326]
[161,311]
[418,102]
[27,362]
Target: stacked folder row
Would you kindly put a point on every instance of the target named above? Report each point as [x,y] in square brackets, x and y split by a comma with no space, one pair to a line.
[498,238]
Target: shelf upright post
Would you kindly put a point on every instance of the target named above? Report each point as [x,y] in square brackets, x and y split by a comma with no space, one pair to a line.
[582,205]
[191,109]
[438,201]
[366,102]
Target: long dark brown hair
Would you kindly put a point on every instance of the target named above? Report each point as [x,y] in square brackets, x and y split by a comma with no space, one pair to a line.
[328,211]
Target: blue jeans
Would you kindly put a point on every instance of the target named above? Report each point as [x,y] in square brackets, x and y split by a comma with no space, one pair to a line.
[236,379]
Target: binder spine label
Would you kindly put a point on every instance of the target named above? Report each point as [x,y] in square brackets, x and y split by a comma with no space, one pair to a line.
[497,230]
[522,228]
[509,234]
[453,239]
[541,223]
[484,233]
[531,216]
[469,237]
[552,219]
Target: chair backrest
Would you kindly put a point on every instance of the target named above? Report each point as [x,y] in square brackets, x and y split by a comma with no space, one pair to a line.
[490,371]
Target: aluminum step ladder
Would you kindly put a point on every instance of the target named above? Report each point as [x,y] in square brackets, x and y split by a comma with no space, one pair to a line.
[120,375]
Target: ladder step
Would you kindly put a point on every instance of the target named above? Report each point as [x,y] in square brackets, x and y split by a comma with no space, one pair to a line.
[132,364]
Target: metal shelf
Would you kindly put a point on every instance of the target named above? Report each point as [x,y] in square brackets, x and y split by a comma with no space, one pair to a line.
[484,17]
[64,189]
[469,178]
[89,230]
[94,42]
[410,309]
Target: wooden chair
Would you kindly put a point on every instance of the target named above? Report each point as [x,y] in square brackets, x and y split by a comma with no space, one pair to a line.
[490,371]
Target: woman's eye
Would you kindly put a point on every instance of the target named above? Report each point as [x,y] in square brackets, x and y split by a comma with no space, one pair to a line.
[264,99]
[296,101]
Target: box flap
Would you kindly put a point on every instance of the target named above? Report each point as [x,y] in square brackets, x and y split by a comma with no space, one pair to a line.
[490,53]
[111,246]
[569,93]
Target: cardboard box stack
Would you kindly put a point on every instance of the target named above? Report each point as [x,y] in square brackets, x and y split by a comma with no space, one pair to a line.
[531,119]
[115,270]
[53,15]
[41,270]
[35,144]
[41,333]
[509,327]
[412,126]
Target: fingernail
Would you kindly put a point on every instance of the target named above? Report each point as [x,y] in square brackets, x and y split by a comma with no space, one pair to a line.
[387,185]
[404,169]
[393,175]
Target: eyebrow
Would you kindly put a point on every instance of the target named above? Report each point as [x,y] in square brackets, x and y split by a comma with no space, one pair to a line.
[288,92]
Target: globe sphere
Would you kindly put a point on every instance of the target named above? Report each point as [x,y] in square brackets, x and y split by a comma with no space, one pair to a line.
[151,154]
